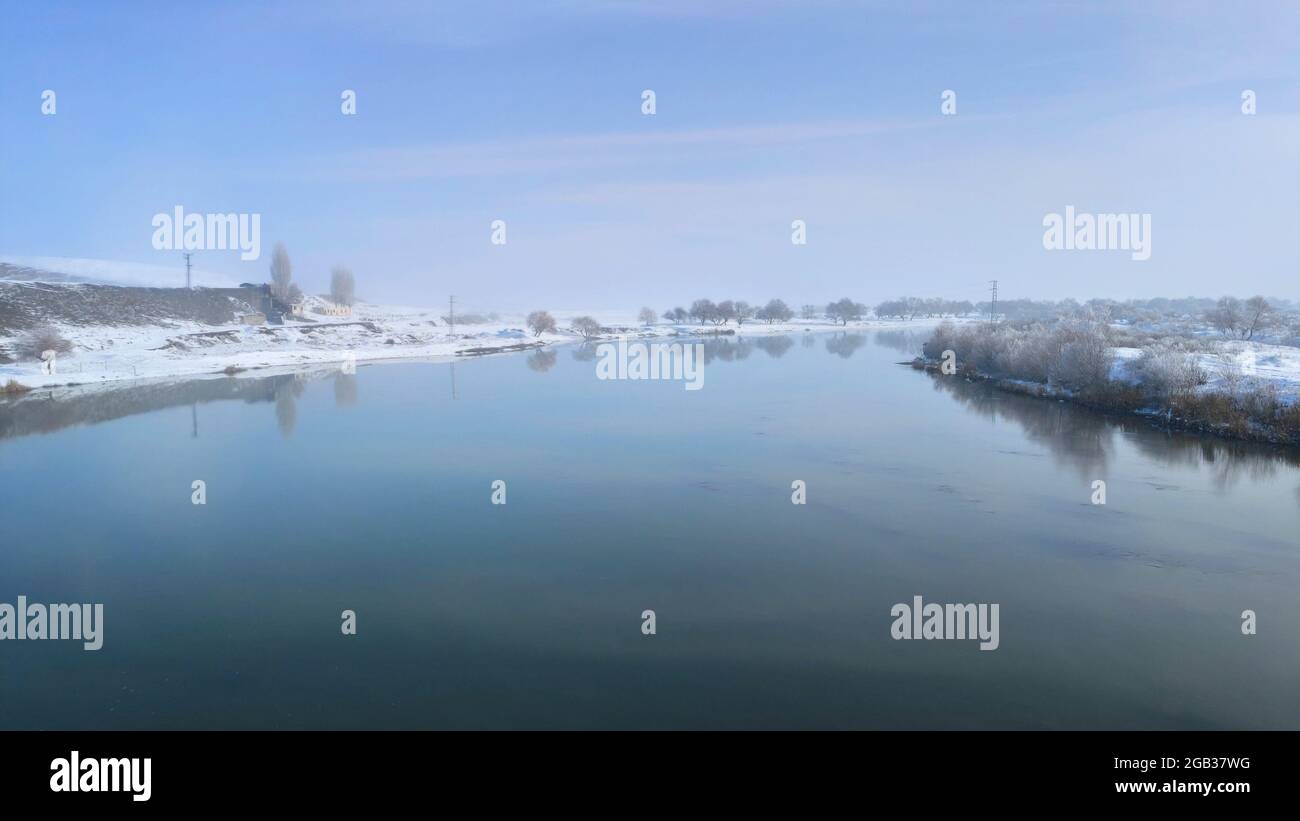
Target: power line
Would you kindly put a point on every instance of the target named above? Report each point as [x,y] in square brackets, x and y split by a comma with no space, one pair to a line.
[187,269]
[993,306]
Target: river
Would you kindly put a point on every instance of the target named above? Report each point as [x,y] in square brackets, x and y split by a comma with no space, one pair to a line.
[372,492]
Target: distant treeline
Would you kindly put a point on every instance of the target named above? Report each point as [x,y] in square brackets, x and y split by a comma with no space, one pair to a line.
[701,311]
[1232,316]
[1128,310]
[910,307]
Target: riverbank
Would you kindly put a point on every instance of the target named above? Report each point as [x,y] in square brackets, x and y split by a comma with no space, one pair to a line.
[104,354]
[1209,413]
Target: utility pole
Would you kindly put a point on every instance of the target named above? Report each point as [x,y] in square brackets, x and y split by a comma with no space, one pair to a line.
[187,269]
[993,307]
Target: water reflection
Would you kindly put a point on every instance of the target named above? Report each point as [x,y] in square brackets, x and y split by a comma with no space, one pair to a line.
[1087,441]
[844,345]
[47,411]
[345,389]
[726,350]
[714,348]
[1080,440]
[286,404]
[903,340]
[775,346]
[542,360]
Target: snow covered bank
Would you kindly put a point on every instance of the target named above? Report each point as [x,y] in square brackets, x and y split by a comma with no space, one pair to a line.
[111,353]
[1238,389]
[1225,365]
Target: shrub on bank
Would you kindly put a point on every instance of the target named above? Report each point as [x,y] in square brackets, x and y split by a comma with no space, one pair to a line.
[1166,377]
[39,340]
[1072,355]
[1167,371]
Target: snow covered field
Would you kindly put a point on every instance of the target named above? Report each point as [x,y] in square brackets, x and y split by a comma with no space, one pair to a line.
[1231,363]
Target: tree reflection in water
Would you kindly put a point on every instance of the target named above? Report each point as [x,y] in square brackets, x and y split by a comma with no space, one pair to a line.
[1086,440]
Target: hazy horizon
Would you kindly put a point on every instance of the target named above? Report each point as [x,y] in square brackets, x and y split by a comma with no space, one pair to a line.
[767,112]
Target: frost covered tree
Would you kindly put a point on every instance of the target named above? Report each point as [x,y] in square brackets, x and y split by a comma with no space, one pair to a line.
[647,316]
[540,322]
[845,310]
[39,340]
[281,272]
[586,326]
[703,310]
[342,286]
[1166,371]
[890,307]
[775,311]
[1257,316]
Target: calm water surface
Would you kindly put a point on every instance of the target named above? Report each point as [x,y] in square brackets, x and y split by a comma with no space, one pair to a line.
[371,493]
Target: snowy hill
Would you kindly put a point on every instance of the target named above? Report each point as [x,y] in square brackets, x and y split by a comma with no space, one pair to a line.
[106,272]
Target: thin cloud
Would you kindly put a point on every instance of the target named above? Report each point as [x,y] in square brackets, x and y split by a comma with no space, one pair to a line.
[574,152]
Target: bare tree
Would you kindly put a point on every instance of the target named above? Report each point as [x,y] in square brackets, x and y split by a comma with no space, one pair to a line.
[342,285]
[744,311]
[1257,316]
[845,310]
[586,326]
[703,310]
[1226,316]
[726,311]
[281,272]
[808,312]
[647,316]
[39,340]
[540,322]
[911,306]
[775,311]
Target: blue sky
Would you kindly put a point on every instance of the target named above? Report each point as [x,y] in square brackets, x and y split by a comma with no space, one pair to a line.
[766,112]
